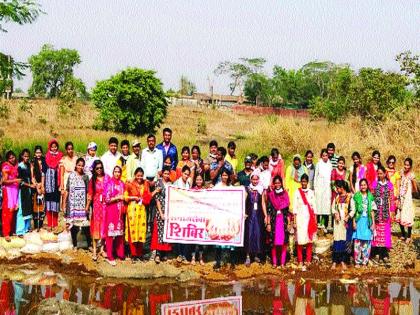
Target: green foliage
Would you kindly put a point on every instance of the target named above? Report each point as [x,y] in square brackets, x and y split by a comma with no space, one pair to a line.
[186,87]
[259,89]
[25,106]
[18,11]
[202,126]
[52,70]
[239,71]
[132,101]
[4,111]
[10,69]
[410,67]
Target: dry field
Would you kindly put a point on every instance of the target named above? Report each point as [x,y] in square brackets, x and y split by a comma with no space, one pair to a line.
[35,122]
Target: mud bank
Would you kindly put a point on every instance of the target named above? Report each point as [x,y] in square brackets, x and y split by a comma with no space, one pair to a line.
[79,263]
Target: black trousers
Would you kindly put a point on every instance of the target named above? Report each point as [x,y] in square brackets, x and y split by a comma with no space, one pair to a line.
[85,230]
[403,234]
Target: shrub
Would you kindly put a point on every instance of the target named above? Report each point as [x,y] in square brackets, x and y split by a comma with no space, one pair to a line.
[132,101]
[4,111]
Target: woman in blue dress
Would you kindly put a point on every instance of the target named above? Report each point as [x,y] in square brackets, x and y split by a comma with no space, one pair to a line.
[363,223]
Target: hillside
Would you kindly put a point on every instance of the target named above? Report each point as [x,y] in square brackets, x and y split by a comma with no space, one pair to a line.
[35,122]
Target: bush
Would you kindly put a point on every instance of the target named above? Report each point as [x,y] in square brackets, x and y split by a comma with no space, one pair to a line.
[132,101]
[4,111]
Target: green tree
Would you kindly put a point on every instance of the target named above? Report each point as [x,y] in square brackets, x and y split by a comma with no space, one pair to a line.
[239,71]
[18,11]
[131,101]
[186,87]
[410,67]
[50,70]
[258,89]
[373,93]
[21,12]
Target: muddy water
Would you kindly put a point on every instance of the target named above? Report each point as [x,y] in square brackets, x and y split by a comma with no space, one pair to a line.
[257,296]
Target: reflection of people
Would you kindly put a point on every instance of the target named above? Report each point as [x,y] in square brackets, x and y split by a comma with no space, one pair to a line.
[7,298]
[360,298]
[338,298]
[281,300]
[304,304]
[402,303]
[380,299]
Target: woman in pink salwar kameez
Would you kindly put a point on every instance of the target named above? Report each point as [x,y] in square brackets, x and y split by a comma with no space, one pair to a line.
[113,223]
[383,192]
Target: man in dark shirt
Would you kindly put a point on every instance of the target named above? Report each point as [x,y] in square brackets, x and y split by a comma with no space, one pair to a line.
[168,148]
[244,176]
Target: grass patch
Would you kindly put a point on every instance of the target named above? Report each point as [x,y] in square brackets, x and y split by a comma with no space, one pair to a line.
[196,125]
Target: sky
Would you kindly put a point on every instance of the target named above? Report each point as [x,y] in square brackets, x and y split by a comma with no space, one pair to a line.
[181,37]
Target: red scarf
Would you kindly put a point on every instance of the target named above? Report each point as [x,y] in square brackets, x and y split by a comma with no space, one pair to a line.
[312,226]
[53,159]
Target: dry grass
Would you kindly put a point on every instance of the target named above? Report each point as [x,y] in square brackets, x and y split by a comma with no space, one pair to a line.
[195,125]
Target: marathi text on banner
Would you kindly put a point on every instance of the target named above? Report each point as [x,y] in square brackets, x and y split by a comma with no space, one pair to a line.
[226,305]
[207,217]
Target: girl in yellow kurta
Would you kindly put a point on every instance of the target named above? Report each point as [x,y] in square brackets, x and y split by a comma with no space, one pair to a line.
[137,195]
[293,175]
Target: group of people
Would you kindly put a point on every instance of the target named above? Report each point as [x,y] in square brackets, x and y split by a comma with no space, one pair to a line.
[118,200]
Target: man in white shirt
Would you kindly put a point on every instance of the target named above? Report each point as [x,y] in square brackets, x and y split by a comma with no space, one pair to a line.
[110,158]
[151,160]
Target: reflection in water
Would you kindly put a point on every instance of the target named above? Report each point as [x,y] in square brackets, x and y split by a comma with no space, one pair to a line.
[262,296]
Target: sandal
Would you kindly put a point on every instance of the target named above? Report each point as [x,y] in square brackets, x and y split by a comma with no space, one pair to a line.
[95,257]
[193,261]
[408,241]
[201,262]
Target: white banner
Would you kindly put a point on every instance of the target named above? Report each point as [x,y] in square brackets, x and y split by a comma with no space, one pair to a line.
[206,217]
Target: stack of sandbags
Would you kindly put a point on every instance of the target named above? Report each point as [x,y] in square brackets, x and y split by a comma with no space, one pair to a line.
[33,243]
[322,245]
[13,247]
[64,241]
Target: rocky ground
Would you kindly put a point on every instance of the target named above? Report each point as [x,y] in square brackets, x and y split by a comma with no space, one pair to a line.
[79,262]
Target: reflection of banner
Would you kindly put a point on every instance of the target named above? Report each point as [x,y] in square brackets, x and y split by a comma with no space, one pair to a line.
[212,216]
[226,305]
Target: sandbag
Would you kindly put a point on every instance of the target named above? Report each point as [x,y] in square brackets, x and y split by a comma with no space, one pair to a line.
[50,247]
[48,236]
[33,238]
[64,237]
[15,242]
[31,249]
[65,245]
[322,245]
[13,253]
[3,253]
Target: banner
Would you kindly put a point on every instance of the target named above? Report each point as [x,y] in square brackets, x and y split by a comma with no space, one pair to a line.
[226,305]
[206,217]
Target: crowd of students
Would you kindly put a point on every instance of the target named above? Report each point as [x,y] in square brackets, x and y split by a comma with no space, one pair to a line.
[118,200]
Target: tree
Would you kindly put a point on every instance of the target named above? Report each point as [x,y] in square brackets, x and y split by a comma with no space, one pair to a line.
[239,71]
[258,89]
[18,11]
[50,70]
[186,87]
[9,69]
[410,67]
[131,101]
[21,12]
[373,93]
